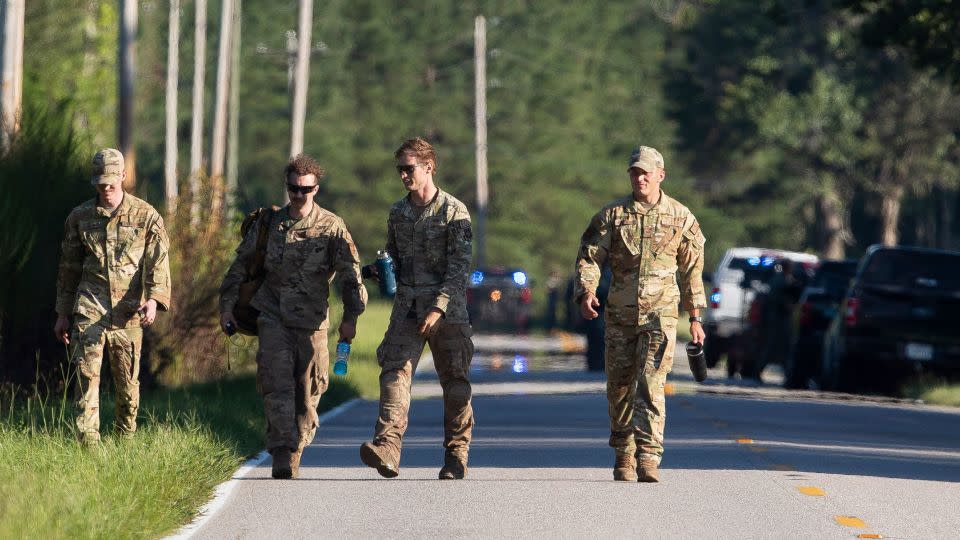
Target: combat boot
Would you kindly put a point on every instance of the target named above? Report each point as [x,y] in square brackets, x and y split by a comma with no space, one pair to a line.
[454,467]
[295,463]
[379,458]
[281,462]
[648,471]
[625,469]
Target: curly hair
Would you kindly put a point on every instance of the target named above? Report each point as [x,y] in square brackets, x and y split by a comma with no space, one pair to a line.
[419,148]
[302,165]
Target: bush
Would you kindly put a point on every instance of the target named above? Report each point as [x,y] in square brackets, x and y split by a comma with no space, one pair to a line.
[45,174]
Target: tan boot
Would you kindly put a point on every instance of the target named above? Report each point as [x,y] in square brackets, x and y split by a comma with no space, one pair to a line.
[625,469]
[648,471]
[454,467]
[295,463]
[379,458]
[281,462]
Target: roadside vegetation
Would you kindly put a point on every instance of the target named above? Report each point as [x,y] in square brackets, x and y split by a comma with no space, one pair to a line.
[934,392]
[190,439]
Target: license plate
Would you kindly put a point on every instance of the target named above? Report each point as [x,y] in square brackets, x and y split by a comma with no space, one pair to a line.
[919,351]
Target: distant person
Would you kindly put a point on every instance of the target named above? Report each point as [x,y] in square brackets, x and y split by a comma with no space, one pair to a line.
[594,328]
[777,315]
[430,240]
[553,300]
[307,247]
[114,276]
[648,240]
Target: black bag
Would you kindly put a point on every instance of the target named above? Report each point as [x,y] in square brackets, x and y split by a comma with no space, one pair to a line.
[245,314]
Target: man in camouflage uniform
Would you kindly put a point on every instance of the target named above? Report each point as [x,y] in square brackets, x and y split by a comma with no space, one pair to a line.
[114,276]
[650,241]
[429,239]
[307,247]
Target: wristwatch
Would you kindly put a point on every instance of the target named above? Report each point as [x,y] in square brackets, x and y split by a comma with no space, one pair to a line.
[696,318]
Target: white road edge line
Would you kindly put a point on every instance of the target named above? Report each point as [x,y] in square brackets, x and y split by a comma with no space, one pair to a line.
[223,491]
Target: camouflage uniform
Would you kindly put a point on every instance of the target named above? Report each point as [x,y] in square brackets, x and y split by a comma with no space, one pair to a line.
[431,247]
[112,262]
[302,258]
[646,250]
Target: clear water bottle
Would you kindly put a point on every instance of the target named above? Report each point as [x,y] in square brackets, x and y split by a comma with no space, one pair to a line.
[343,356]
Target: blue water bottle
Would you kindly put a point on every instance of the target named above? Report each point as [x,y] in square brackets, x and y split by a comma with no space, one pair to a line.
[388,280]
[343,356]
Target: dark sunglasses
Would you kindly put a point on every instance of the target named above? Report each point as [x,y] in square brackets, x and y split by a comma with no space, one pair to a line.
[407,168]
[303,190]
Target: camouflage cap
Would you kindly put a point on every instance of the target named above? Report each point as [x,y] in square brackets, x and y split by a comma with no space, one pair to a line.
[646,158]
[107,166]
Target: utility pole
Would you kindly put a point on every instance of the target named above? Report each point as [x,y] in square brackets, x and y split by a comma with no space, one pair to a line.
[11,66]
[233,126]
[480,96]
[173,72]
[127,63]
[196,127]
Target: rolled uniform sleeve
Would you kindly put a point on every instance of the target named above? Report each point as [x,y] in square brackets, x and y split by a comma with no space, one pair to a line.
[71,267]
[230,287]
[459,252]
[690,266]
[156,265]
[594,248]
[347,267]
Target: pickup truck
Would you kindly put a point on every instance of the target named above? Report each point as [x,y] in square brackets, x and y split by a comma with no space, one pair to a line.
[896,320]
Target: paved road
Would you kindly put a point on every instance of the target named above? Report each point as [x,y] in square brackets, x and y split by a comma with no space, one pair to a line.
[741,463]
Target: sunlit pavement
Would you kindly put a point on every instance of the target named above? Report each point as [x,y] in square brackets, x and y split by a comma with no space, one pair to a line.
[741,461]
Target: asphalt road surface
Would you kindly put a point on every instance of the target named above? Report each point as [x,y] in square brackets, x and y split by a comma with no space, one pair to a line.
[740,462]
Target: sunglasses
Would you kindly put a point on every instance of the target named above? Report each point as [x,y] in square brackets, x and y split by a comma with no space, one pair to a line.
[407,168]
[303,190]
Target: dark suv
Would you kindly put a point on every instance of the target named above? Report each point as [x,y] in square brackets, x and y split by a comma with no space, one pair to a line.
[499,299]
[896,319]
[815,309]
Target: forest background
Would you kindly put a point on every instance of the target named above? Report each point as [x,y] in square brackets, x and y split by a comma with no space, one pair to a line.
[815,125]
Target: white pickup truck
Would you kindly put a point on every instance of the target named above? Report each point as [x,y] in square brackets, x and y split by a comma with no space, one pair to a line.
[728,301]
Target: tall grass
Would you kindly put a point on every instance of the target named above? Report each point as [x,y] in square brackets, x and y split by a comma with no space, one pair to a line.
[190,440]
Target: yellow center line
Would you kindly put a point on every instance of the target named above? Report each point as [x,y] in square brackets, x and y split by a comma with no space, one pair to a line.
[744,440]
[812,491]
[669,389]
[869,535]
[850,521]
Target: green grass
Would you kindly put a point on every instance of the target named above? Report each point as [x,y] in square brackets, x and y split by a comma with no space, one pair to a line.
[934,391]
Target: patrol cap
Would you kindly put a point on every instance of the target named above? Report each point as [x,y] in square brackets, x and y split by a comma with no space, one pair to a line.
[646,158]
[107,167]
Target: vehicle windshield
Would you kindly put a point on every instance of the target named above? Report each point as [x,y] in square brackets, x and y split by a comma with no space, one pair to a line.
[912,269]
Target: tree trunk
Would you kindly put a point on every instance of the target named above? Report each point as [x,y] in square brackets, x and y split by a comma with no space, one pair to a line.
[196,127]
[832,241]
[126,61]
[233,124]
[11,67]
[890,215]
[218,150]
[173,72]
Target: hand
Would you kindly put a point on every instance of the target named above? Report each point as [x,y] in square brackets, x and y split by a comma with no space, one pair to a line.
[227,318]
[62,329]
[697,335]
[370,271]
[348,331]
[589,305]
[429,325]
[148,312]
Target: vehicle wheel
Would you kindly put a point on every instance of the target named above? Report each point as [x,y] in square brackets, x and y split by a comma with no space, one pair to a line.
[794,376]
